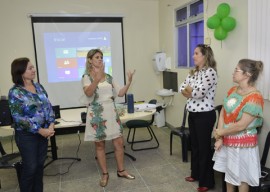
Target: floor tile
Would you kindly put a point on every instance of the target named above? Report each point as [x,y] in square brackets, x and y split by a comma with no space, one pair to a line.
[155,170]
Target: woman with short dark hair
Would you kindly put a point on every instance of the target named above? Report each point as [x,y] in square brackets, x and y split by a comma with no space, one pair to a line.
[33,119]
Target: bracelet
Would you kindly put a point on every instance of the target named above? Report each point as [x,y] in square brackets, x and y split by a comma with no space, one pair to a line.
[217,136]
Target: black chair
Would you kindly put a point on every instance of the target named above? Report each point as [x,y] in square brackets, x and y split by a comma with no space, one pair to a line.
[265,179]
[183,133]
[10,161]
[140,124]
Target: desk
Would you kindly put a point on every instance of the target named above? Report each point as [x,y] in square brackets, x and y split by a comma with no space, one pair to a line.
[70,122]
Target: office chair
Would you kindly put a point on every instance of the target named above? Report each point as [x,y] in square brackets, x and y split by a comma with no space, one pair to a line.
[141,124]
[183,133]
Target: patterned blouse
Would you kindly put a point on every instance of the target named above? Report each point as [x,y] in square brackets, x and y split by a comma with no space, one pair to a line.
[203,83]
[235,105]
[30,111]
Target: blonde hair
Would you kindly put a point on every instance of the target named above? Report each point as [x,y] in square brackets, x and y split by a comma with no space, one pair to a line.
[90,55]
[210,61]
[252,68]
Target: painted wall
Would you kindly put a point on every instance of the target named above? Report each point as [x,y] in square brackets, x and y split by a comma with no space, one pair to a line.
[148,28]
[227,54]
[141,35]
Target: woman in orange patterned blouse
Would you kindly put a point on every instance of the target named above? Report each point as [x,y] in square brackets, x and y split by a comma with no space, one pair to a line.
[237,152]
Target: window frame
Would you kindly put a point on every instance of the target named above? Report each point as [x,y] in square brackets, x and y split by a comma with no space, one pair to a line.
[186,22]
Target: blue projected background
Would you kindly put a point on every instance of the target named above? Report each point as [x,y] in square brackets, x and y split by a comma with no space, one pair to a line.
[66,53]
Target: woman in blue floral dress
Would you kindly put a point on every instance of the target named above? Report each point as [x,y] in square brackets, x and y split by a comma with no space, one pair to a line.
[33,119]
[103,122]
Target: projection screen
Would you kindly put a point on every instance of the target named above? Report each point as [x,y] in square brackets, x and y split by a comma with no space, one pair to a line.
[61,44]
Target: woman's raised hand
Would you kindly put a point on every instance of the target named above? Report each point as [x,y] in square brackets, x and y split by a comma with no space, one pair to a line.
[98,72]
[130,75]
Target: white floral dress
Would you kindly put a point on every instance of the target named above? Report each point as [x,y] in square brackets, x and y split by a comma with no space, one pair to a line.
[102,121]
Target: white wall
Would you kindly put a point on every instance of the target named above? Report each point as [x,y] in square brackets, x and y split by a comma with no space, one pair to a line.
[227,53]
[140,35]
[148,27]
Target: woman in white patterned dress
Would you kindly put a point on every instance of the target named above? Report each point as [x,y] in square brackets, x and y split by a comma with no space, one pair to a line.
[103,122]
[237,152]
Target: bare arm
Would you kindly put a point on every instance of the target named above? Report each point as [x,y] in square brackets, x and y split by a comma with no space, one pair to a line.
[98,75]
[219,141]
[238,126]
[89,90]
[187,92]
[124,90]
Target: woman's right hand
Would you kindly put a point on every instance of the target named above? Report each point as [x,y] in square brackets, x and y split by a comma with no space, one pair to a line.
[98,73]
[218,144]
[47,133]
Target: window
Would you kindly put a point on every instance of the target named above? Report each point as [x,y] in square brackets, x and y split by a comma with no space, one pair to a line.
[189,23]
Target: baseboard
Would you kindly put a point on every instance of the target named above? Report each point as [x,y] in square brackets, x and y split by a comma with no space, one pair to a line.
[169,125]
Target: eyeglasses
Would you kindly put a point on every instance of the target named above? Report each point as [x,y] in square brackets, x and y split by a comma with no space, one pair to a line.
[238,70]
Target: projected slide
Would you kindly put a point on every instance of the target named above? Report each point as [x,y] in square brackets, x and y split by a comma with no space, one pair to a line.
[66,53]
[61,46]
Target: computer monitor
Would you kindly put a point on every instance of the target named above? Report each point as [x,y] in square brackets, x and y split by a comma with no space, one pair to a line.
[170,80]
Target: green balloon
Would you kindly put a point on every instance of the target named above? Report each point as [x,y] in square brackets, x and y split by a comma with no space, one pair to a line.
[213,22]
[223,10]
[228,23]
[220,33]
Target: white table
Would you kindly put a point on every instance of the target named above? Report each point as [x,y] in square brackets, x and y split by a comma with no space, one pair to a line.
[70,122]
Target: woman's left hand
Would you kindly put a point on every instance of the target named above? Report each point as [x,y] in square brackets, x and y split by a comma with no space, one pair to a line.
[187,92]
[218,133]
[218,144]
[130,75]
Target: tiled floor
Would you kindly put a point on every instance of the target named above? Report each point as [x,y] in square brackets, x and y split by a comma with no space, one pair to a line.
[155,169]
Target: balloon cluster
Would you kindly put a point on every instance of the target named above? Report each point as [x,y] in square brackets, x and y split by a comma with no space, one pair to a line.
[221,22]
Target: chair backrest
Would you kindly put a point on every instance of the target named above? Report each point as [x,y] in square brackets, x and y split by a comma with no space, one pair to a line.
[265,149]
[2,151]
[152,101]
[184,118]
[218,110]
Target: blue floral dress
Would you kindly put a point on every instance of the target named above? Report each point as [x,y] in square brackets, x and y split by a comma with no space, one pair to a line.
[102,122]
[30,111]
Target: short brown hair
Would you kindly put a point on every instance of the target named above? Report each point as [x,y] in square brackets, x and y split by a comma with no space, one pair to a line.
[18,68]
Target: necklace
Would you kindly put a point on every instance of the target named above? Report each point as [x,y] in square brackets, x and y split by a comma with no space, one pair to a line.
[245,91]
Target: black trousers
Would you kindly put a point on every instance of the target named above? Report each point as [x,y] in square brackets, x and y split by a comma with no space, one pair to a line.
[201,126]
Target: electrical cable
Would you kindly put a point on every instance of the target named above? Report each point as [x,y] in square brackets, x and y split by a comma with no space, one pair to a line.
[77,156]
